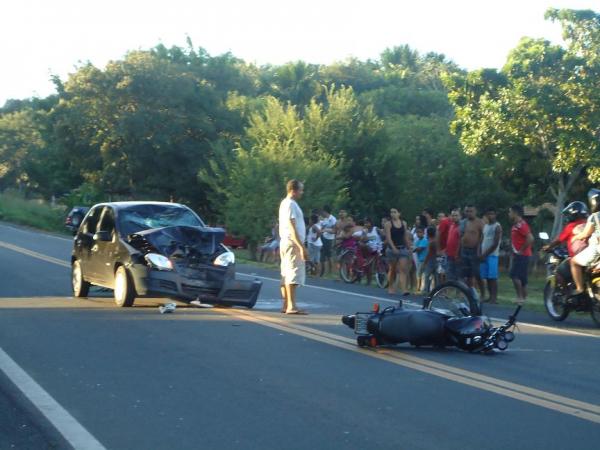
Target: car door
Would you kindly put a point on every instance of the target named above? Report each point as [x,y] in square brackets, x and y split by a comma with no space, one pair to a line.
[84,244]
[106,251]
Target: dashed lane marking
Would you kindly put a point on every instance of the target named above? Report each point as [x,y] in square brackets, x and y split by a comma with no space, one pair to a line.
[565,405]
[74,431]
[63,263]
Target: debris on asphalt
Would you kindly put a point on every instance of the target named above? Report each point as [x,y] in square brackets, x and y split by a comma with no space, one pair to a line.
[167,308]
[199,304]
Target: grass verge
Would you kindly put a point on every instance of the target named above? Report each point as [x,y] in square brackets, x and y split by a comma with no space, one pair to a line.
[34,213]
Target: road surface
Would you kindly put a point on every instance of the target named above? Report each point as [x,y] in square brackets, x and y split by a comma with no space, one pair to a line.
[96,376]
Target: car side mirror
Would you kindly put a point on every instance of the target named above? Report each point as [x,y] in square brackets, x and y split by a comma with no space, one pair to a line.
[104,236]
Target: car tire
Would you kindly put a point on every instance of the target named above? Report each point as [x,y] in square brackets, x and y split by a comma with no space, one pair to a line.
[124,290]
[80,287]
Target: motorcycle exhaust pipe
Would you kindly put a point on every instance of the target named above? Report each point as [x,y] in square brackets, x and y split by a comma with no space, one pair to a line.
[349,320]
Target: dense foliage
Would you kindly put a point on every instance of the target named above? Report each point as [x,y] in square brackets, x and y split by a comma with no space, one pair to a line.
[542,107]
[407,130]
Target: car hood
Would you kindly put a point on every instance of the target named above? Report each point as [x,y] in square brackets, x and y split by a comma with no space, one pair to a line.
[180,241]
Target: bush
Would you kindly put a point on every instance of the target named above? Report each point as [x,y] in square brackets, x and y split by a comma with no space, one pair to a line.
[34,213]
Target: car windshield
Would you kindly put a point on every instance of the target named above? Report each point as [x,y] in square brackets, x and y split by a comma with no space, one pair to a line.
[146,217]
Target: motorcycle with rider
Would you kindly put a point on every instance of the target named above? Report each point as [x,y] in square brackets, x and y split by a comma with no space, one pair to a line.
[574,276]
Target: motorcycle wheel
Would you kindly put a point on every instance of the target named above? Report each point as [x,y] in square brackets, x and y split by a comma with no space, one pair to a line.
[347,272]
[453,298]
[596,311]
[555,306]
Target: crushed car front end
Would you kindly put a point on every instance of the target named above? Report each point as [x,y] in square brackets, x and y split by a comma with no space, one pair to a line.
[188,263]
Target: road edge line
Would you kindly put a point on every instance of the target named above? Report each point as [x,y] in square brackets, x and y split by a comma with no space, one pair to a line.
[71,430]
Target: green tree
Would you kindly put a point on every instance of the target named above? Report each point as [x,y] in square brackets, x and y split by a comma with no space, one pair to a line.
[351,134]
[278,146]
[422,165]
[143,126]
[543,103]
[20,141]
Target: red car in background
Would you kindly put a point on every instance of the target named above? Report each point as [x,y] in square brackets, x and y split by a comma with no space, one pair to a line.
[234,241]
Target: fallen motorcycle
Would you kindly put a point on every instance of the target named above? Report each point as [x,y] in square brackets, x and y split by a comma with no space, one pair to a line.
[450,317]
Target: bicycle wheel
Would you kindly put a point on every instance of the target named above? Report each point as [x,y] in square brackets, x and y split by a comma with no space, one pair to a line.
[453,298]
[347,272]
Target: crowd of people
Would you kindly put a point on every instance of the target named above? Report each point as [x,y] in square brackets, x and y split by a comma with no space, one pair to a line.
[459,244]
[436,248]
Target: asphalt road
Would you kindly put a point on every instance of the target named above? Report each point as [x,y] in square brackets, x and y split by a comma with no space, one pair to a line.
[238,379]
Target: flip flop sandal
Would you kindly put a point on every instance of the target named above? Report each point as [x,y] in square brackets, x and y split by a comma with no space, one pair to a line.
[297,312]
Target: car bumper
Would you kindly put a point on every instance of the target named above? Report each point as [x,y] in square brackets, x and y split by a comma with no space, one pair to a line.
[227,291]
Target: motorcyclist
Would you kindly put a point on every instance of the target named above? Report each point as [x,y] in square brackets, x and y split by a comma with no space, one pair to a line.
[576,214]
[591,254]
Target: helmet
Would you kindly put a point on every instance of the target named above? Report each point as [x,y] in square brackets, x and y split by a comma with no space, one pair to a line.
[594,199]
[575,210]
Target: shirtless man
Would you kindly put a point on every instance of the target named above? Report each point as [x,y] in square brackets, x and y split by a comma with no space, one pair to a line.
[342,221]
[470,245]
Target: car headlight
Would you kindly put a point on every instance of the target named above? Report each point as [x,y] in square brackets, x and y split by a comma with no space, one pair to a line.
[159,262]
[225,259]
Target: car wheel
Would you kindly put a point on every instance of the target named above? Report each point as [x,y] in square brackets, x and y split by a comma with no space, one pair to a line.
[124,290]
[80,286]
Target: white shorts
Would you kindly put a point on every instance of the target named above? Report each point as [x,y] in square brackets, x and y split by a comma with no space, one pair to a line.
[293,267]
[588,255]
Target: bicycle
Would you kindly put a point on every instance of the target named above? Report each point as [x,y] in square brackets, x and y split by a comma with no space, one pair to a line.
[314,269]
[351,271]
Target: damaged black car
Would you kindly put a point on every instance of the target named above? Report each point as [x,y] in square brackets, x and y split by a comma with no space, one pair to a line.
[154,249]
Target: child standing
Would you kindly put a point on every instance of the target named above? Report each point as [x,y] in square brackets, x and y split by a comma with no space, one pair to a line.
[420,249]
[430,262]
[314,242]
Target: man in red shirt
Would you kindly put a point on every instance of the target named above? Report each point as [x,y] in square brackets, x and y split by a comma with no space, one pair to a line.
[576,214]
[452,246]
[442,232]
[441,240]
[522,241]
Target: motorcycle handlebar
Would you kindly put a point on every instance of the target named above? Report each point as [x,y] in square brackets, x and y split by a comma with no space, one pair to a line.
[513,317]
[558,252]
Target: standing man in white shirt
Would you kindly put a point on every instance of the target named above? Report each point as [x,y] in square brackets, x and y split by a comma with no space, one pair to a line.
[328,238]
[292,233]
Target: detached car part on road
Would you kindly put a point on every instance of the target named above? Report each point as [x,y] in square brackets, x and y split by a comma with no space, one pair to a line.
[159,250]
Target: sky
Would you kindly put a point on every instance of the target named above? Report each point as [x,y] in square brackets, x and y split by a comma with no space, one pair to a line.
[40,37]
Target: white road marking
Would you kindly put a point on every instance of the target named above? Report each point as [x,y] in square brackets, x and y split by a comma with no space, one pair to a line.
[387,300]
[354,294]
[65,423]
[2,225]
